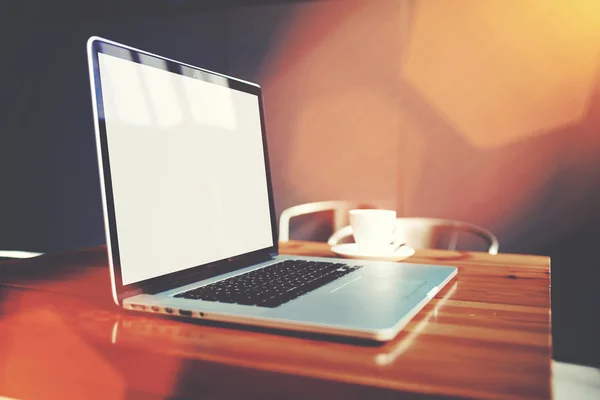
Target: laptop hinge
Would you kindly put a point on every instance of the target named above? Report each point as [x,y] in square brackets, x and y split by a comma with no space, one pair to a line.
[130,293]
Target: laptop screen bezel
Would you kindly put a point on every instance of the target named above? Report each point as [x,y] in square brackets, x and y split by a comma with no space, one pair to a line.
[98,45]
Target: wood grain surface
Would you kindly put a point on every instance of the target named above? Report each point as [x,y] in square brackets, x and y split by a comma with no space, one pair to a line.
[486,335]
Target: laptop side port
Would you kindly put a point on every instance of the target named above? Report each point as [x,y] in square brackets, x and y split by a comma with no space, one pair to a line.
[169,310]
[185,313]
[156,308]
[137,307]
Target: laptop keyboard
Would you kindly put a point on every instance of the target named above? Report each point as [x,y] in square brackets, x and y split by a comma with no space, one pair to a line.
[272,286]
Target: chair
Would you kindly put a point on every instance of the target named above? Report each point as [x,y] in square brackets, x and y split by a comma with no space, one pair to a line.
[340,210]
[419,232]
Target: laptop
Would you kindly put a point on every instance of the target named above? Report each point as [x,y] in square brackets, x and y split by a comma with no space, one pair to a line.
[189,210]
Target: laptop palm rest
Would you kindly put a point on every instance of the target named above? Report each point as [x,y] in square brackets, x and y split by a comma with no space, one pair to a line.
[359,301]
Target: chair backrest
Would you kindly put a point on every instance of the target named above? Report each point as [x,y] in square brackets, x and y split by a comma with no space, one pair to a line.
[426,233]
[418,232]
[340,210]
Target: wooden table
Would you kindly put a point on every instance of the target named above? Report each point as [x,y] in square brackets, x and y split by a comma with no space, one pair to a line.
[486,335]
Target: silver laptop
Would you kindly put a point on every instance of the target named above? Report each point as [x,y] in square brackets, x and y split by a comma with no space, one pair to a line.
[189,215]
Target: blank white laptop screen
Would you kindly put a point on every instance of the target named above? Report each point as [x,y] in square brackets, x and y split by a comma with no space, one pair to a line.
[187,168]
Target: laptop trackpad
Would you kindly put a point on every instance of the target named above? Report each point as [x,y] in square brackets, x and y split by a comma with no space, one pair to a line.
[377,288]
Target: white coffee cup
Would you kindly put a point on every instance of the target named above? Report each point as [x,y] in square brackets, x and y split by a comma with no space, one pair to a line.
[373,229]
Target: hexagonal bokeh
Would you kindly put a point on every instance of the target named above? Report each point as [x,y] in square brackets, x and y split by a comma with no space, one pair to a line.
[500,71]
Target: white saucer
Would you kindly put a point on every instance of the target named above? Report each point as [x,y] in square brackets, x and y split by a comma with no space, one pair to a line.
[350,250]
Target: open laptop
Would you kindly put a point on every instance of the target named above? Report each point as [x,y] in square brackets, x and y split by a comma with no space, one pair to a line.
[189,215]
